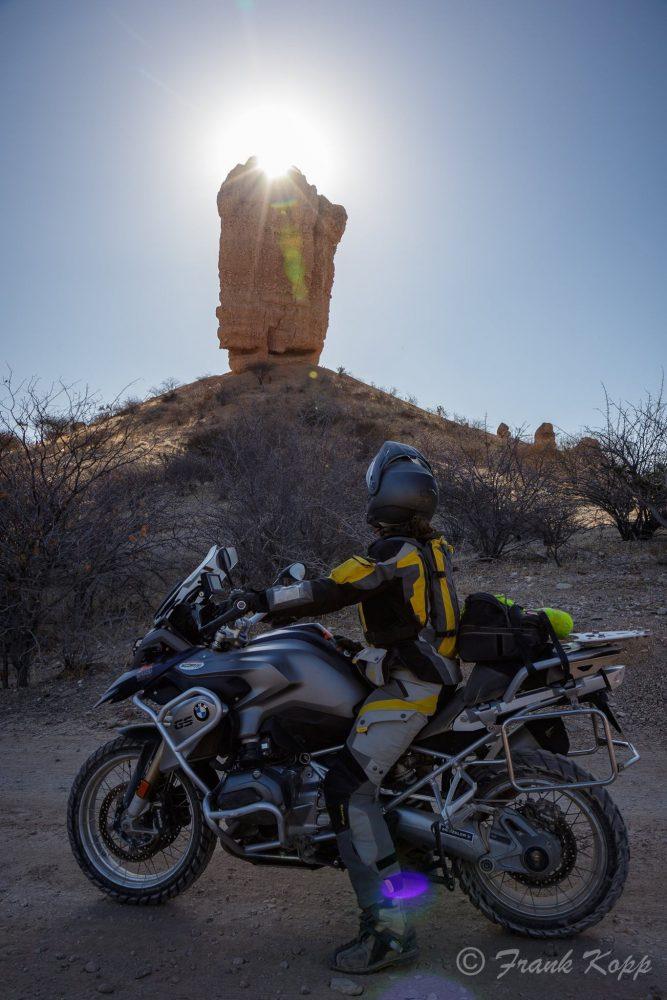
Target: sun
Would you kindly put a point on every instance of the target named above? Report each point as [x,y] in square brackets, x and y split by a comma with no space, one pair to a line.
[271,136]
[280,138]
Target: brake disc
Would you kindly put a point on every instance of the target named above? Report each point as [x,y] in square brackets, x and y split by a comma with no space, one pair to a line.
[136,846]
[547,815]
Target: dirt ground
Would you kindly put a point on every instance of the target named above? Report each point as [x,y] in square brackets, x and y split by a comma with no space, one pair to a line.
[254,933]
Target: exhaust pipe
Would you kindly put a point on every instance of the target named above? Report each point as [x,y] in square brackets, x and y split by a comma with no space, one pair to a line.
[417,828]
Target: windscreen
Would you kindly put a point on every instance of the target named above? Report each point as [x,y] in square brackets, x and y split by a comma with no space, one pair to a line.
[182,589]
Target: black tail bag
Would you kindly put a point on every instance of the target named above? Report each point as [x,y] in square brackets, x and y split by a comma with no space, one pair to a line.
[492,631]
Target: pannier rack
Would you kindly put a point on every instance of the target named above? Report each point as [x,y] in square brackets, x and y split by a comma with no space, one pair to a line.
[602,739]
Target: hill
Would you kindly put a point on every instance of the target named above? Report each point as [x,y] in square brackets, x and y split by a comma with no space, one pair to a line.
[292,391]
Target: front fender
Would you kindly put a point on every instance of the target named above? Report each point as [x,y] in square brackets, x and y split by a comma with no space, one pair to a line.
[142,731]
[147,732]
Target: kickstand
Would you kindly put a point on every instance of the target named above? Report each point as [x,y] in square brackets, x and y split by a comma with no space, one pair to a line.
[447,876]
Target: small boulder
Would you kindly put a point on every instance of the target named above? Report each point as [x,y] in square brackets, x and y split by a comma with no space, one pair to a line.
[340,984]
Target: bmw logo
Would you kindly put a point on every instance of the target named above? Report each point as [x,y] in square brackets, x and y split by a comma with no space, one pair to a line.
[201,711]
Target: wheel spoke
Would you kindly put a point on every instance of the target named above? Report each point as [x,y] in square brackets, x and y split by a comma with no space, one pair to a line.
[583,852]
[134,859]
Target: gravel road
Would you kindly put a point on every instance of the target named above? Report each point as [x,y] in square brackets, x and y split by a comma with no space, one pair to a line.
[243,932]
[247,932]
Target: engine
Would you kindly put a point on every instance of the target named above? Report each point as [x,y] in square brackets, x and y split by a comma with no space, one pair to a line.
[253,797]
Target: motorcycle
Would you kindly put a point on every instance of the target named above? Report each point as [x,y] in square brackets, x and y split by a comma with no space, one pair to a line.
[240,727]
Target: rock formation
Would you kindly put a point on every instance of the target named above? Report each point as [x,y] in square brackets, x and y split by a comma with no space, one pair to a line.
[277,244]
[544,436]
[588,443]
[503,431]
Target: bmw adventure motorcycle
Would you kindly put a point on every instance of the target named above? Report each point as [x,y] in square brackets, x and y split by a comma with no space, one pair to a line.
[239,729]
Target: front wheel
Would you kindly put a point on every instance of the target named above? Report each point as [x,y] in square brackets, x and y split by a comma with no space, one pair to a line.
[594,853]
[145,867]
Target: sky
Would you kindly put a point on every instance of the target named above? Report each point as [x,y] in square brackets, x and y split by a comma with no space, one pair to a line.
[502,163]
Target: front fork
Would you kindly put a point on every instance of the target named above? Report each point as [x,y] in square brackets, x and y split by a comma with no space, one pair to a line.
[138,794]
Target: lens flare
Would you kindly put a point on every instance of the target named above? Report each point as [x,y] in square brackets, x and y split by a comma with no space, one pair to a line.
[406,885]
[424,985]
[280,137]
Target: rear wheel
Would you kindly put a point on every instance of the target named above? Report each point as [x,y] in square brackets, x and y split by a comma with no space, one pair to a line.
[594,853]
[143,867]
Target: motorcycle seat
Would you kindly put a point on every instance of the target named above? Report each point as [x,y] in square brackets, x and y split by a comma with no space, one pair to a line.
[485,683]
[445,716]
[488,681]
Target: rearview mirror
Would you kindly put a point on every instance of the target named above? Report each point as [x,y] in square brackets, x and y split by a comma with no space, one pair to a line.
[227,558]
[296,571]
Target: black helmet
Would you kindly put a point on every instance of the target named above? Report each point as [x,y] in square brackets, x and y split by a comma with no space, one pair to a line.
[400,484]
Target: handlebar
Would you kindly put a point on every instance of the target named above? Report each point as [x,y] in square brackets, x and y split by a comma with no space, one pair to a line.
[235,612]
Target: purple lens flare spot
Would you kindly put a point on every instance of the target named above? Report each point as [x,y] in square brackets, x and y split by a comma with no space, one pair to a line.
[407,885]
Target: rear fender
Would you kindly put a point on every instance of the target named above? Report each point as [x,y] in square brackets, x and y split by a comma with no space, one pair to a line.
[522,740]
[540,734]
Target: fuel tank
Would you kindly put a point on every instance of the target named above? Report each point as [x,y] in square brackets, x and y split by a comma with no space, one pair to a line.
[293,676]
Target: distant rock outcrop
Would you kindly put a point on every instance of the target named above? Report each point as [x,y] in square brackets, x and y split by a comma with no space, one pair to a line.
[503,431]
[588,444]
[545,436]
[277,245]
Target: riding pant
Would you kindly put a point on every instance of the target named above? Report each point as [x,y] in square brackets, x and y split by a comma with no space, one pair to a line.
[388,722]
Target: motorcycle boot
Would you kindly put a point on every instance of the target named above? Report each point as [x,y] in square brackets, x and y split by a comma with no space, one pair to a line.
[368,917]
[385,938]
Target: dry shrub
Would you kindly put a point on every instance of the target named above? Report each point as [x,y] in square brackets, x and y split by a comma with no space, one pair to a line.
[620,467]
[81,517]
[500,495]
[285,491]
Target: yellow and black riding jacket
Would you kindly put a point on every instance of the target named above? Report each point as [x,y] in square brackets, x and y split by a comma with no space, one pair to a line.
[405,593]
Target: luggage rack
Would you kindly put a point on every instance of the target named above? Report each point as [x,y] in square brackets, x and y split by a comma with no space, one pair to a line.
[584,650]
[602,739]
[579,640]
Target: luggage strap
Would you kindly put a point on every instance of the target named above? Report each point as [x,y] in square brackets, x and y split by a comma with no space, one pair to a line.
[513,614]
[514,619]
[557,644]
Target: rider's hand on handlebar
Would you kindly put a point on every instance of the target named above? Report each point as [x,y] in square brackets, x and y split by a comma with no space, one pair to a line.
[347,646]
[241,602]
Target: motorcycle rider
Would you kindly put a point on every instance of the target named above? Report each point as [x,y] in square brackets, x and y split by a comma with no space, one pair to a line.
[408,607]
